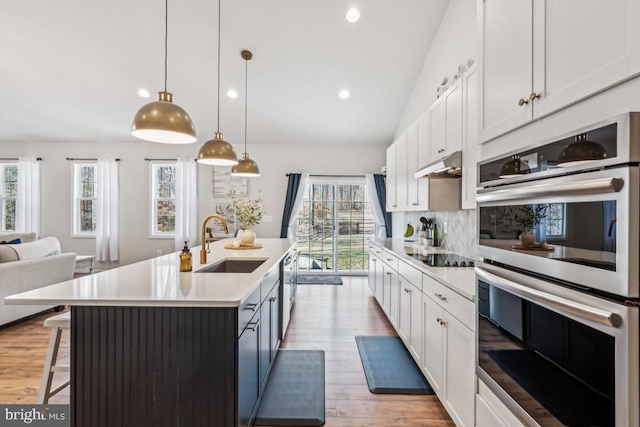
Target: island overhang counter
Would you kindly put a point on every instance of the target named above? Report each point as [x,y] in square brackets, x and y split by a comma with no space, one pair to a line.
[153,346]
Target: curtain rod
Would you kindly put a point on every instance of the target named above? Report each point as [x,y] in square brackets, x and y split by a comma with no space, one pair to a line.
[81,158]
[335,176]
[164,160]
[16,159]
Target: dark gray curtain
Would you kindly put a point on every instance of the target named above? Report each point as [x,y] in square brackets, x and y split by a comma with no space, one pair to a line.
[292,190]
[381,190]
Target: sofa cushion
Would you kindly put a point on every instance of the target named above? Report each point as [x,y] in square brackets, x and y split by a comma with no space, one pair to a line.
[24,237]
[8,254]
[38,249]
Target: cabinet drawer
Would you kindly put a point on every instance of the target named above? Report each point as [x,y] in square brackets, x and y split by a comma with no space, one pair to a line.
[269,282]
[454,303]
[412,274]
[247,310]
[390,259]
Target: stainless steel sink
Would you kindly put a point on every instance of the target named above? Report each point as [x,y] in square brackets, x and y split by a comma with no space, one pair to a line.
[233,266]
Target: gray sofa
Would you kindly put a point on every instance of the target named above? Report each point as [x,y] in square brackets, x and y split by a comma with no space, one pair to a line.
[20,275]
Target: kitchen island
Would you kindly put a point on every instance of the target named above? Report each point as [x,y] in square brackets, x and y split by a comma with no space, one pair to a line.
[151,346]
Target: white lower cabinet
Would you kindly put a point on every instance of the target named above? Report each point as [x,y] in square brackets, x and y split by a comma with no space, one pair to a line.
[448,359]
[410,318]
[373,261]
[436,325]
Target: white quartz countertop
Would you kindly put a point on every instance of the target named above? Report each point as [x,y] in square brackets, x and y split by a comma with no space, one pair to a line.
[158,282]
[459,279]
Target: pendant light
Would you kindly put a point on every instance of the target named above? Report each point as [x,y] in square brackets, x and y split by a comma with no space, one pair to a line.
[246,166]
[514,167]
[581,151]
[162,120]
[217,151]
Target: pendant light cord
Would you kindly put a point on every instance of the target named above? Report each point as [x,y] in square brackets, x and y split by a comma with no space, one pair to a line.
[219,20]
[246,96]
[166,38]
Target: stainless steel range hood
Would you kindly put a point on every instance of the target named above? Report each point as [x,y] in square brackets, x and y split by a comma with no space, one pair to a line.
[450,167]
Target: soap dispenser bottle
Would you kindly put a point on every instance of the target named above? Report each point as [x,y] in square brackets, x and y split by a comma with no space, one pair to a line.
[185,259]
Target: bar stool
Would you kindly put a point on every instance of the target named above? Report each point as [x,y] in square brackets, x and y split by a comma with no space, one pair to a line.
[57,324]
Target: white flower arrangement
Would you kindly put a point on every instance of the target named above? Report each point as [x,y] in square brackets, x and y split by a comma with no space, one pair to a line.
[248,211]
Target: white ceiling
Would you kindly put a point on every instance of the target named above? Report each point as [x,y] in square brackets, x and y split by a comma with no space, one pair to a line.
[71,69]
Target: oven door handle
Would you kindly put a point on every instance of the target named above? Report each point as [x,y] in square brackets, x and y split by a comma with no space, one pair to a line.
[591,186]
[547,300]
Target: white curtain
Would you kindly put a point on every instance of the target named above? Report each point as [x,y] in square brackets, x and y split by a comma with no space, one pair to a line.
[28,202]
[186,198]
[107,225]
[378,213]
[292,232]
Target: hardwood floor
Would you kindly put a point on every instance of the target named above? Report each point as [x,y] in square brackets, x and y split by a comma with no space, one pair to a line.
[328,318]
[324,317]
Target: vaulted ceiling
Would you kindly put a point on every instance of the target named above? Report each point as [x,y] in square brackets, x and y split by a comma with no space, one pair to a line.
[71,70]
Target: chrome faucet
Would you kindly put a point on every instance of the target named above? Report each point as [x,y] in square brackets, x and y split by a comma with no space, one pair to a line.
[205,245]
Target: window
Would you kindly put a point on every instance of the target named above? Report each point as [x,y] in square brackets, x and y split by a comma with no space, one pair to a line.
[555,221]
[8,195]
[84,199]
[334,225]
[163,200]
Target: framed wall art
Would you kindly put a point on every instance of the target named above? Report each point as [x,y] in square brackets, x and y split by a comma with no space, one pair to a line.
[223,182]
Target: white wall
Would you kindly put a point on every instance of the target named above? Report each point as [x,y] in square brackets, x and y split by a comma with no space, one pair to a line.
[455,43]
[135,245]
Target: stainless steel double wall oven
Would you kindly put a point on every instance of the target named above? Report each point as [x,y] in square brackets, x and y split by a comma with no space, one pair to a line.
[558,319]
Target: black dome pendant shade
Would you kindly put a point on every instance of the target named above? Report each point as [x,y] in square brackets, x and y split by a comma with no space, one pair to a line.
[581,151]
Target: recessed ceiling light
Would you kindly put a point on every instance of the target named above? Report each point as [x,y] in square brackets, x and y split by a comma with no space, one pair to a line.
[143,93]
[344,94]
[232,94]
[353,14]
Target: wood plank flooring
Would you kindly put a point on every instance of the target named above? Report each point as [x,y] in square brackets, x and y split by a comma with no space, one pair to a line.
[324,317]
[328,318]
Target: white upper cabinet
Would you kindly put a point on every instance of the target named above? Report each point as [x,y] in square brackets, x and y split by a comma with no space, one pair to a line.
[540,56]
[445,122]
[390,181]
[417,156]
[507,63]
[470,147]
[401,172]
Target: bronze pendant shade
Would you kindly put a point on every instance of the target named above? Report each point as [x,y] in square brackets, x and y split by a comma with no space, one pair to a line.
[581,151]
[246,166]
[217,151]
[163,121]
[514,167]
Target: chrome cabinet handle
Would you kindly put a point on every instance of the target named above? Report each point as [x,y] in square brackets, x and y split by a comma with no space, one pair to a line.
[272,299]
[441,150]
[407,290]
[547,300]
[390,259]
[588,187]
[522,102]
[415,204]
[389,273]
[253,307]
[442,322]
[442,297]
[255,326]
[533,96]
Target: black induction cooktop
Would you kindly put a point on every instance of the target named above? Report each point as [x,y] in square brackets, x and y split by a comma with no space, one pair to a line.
[445,260]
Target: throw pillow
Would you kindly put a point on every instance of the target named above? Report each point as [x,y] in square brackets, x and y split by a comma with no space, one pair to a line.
[11,242]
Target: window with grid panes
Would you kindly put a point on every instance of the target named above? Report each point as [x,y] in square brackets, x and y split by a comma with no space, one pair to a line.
[555,220]
[85,199]
[8,195]
[163,199]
